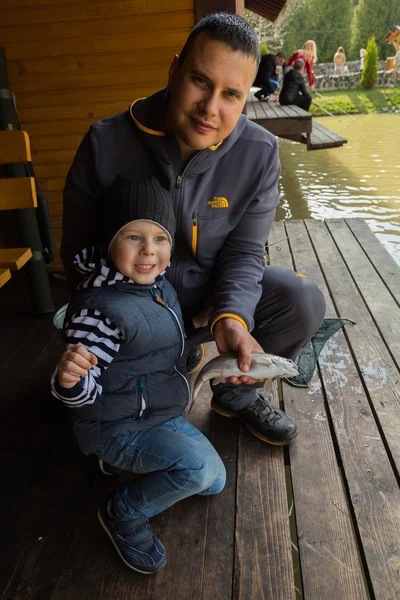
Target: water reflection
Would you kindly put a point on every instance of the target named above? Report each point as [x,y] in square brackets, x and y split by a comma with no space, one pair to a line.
[361,179]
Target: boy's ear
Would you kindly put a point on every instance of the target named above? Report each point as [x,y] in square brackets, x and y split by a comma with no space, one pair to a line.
[173,68]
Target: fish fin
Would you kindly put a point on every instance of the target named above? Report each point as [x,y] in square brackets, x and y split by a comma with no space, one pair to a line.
[195,392]
[217,380]
[267,384]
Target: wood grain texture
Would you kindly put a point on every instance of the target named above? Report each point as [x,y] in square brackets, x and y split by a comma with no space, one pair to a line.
[327,546]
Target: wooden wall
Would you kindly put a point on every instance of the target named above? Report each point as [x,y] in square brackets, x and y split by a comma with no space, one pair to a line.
[72,63]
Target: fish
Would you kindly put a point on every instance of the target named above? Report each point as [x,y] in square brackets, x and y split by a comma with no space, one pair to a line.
[262,366]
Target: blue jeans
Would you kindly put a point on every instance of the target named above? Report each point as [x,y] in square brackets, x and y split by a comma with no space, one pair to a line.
[174,461]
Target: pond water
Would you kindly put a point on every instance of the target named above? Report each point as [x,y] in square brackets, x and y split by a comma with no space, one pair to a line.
[360,179]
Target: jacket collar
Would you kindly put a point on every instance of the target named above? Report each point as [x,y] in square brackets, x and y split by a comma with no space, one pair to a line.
[148,114]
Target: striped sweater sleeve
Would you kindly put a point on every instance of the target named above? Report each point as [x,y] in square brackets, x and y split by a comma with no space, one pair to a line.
[99,335]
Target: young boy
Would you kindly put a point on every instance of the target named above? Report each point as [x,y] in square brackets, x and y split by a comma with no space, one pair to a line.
[123,375]
[294,88]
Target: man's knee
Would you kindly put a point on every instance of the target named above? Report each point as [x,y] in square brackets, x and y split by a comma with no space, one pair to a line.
[290,296]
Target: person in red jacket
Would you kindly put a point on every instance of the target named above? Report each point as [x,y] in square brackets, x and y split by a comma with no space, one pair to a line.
[308,53]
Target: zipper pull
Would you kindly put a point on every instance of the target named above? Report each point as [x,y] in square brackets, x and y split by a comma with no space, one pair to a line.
[158,298]
[178,182]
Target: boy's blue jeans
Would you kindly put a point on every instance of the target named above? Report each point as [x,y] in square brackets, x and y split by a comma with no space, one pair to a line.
[174,460]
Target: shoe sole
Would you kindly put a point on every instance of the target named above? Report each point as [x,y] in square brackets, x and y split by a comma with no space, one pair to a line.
[253,431]
[104,526]
[201,361]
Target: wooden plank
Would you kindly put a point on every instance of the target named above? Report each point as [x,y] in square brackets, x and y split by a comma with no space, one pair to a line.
[88,63]
[379,371]
[93,45]
[377,297]
[92,27]
[51,157]
[202,528]
[57,126]
[385,265]
[125,94]
[14,258]
[92,110]
[14,147]
[373,489]
[51,83]
[17,193]
[56,142]
[5,276]
[53,11]
[327,546]
[263,559]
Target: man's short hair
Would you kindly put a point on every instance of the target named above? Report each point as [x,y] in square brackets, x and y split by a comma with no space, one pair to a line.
[281,55]
[229,29]
[298,64]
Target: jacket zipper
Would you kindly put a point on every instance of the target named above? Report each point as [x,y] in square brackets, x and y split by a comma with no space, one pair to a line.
[158,299]
[195,233]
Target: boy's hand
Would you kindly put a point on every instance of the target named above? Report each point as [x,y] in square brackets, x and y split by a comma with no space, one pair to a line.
[74,364]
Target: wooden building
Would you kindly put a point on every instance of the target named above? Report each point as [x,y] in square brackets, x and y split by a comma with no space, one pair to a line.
[72,62]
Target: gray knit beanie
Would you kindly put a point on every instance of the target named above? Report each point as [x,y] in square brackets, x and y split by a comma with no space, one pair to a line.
[128,200]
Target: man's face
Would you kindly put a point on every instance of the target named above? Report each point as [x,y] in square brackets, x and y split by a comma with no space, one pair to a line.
[208,92]
[279,60]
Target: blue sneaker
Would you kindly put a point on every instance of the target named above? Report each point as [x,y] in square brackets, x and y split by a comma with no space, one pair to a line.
[134,541]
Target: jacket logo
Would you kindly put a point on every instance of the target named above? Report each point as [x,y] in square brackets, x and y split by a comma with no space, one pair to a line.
[218,202]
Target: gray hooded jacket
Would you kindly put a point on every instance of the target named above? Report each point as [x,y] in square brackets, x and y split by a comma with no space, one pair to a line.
[224,198]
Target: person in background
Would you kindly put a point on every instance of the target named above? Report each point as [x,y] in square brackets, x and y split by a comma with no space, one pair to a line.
[308,53]
[267,77]
[123,375]
[339,59]
[294,88]
[363,53]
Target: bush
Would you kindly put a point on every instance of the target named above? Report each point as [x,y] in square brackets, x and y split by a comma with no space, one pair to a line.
[369,76]
[263,49]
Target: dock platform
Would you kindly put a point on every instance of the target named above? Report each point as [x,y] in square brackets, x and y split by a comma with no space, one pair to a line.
[319,519]
[292,123]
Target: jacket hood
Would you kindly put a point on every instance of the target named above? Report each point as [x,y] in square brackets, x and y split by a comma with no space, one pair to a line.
[99,271]
[148,114]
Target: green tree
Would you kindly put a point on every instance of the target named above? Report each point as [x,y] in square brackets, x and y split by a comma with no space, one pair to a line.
[328,24]
[372,18]
[331,26]
[369,75]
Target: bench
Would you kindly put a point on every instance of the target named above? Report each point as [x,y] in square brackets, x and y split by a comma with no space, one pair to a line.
[15,193]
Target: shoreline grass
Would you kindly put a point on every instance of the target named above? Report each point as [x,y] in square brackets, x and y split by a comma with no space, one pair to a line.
[355,101]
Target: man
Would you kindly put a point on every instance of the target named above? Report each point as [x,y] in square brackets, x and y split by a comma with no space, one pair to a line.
[267,77]
[294,89]
[223,172]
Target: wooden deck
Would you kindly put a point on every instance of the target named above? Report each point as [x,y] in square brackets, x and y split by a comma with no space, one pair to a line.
[319,520]
[292,123]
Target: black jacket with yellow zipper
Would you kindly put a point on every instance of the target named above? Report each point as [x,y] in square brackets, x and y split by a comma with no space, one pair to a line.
[225,200]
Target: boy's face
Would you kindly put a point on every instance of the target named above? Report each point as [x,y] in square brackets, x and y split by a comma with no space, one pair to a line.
[208,92]
[141,251]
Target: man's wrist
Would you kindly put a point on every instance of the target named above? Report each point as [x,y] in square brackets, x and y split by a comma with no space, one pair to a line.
[230,317]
